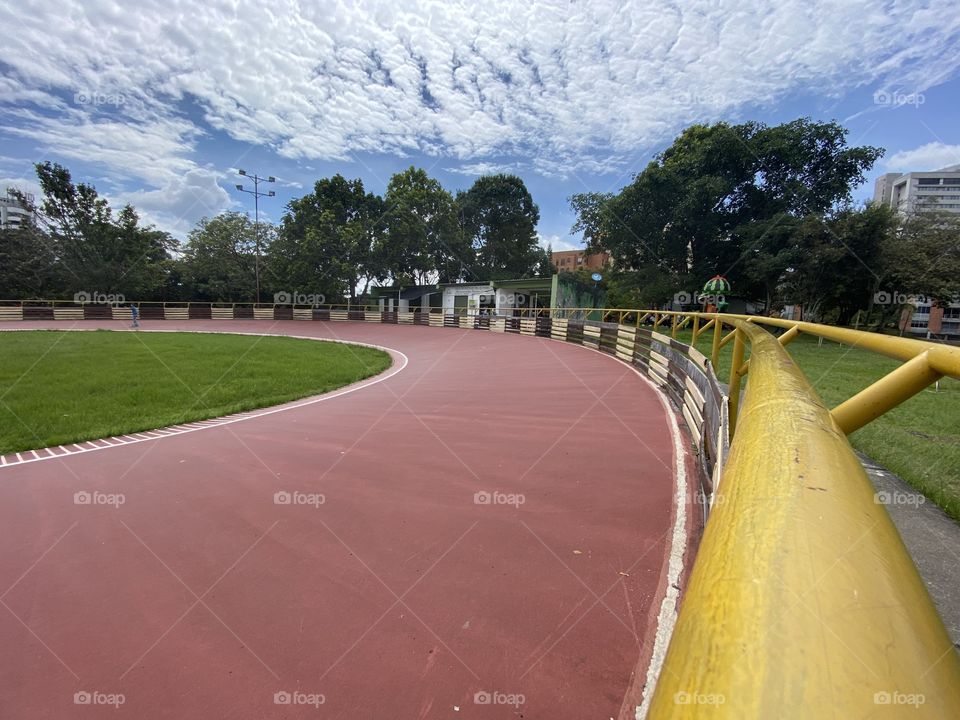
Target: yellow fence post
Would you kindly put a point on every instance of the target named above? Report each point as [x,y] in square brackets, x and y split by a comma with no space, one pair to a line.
[717,333]
[885,394]
[734,386]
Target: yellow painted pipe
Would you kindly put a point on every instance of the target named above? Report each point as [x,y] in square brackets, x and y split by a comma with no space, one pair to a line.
[789,336]
[803,602]
[715,351]
[733,403]
[885,394]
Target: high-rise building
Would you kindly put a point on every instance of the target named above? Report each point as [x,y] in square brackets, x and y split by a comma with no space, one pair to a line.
[909,192]
[914,192]
[12,212]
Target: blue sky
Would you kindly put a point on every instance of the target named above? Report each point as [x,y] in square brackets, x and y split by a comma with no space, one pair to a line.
[159,103]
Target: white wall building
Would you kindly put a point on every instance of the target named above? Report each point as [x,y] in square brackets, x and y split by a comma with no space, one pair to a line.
[908,191]
[474,297]
[12,213]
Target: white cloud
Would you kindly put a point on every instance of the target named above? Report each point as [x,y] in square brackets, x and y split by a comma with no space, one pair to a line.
[486,168]
[557,243]
[562,88]
[181,202]
[932,156]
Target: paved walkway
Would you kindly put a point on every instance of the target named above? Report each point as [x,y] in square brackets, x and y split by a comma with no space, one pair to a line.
[931,536]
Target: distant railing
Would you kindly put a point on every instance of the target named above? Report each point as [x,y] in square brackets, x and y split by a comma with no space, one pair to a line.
[803,601]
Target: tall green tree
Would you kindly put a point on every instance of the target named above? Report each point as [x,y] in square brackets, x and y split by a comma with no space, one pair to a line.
[834,265]
[423,239]
[330,240]
[28,264]
[218,262]
[923,256]
[499,218]
[694,208]
[95,250]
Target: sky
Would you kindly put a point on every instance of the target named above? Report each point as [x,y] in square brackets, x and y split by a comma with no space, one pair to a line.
[160,103]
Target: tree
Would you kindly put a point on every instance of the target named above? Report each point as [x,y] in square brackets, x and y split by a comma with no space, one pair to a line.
[96,251]
[923,256]
[219,259]
[423,239]
[499,218]
[330,240]
[834,264]
[28,264]
[692,209]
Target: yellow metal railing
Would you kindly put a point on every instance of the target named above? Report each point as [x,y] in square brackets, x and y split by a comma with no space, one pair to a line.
[803,601]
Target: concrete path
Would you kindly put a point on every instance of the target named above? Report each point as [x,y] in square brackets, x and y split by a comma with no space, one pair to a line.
[931,536]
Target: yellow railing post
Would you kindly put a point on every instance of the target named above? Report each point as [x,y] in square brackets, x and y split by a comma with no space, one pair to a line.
[885,394]
[696,330]
[734,386]
[673,327]
[717,333]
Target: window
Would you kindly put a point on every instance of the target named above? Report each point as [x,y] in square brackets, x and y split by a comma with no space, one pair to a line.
[951,313]
[928,181]
[923,310]
[919,324]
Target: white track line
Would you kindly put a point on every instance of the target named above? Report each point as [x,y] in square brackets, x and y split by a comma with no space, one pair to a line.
[7,461]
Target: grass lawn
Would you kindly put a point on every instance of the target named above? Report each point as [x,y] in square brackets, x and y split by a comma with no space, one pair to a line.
[62,387]
[919,440]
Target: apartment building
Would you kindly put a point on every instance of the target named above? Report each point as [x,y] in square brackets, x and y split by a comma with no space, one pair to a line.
[913,192]
[908,192]
[573,260]
[12,212]
[930,321]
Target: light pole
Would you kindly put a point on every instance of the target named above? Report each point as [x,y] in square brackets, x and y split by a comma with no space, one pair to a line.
[256,214]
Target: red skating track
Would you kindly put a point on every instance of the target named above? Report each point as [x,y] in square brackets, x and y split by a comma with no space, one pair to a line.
[399,596]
